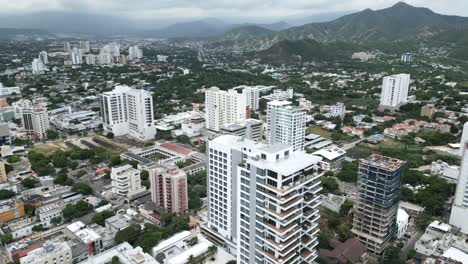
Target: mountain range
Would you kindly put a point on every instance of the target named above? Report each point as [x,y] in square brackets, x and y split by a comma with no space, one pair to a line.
[399,22]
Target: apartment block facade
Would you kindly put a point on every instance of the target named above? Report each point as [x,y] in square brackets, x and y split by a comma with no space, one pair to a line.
[375,211]
[129,111]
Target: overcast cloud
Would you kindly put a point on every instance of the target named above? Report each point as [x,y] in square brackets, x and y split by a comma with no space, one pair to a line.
[218,8]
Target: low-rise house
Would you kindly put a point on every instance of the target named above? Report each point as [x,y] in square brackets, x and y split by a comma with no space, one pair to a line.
[332,157]
[350,251]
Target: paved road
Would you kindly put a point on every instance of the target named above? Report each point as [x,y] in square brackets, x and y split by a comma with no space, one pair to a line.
[351,145]
[411,243]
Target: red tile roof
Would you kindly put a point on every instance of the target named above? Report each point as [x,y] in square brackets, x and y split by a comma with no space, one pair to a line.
[176,148]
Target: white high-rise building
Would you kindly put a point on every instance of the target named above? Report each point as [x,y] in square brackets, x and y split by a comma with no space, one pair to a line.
[394,91]
[126,110]
[223,107]
[43,57]
[134,52]
[76,56]
[67,46]
[84,45]
[126,181]
[90,59]
[35,122]
[252,96]
[162,58]
[459,214]
[104,58]
[114,49]
[285,124]
[263,200]
[407,57]
[19,105]
[37,67]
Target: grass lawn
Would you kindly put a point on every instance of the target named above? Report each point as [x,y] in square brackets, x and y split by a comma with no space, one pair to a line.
[319,131]
[49,148]
[109,145]
[359,152]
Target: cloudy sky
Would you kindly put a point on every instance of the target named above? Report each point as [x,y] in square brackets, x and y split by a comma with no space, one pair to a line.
[145,9]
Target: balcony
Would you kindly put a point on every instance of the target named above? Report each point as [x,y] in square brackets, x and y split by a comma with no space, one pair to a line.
[293,202]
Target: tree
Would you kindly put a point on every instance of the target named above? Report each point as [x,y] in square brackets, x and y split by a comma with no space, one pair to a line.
[110,135]
[349,172]
[6,194]
[6,238]
[100,218]
[212,250]
[329,185]
[115,260]
[422,221]
[115,160]
[38,228]
[183,139]
[160,257]
[129,234]
[29,183]
[56,220]
[346,207]
[407,194]
[78,210]
[391,256]
[411,254]
[52,134]
[59,159]
[13,159]
[191,260]
[82,188]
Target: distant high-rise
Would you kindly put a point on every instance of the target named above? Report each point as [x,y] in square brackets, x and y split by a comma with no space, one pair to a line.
[128,111]
[223,107]
[37,67]
[252,95]
[67,47]
[285,124]
[134,52]
[407,57]
[104,58]
[375,211]
[459,214]
[76,56]
[84,45]
[263,200]
[169,188]
[394,91]
[43,57]
[90,59]
[35,122]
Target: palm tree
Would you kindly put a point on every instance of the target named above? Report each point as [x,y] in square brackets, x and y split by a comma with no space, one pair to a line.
[191,260]
[212,250]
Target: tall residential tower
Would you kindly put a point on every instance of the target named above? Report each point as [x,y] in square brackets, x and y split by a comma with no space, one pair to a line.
[375,211]
[223,107]
[285,124]
[394,91]
[459,214]
[263,200]
[128,111]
